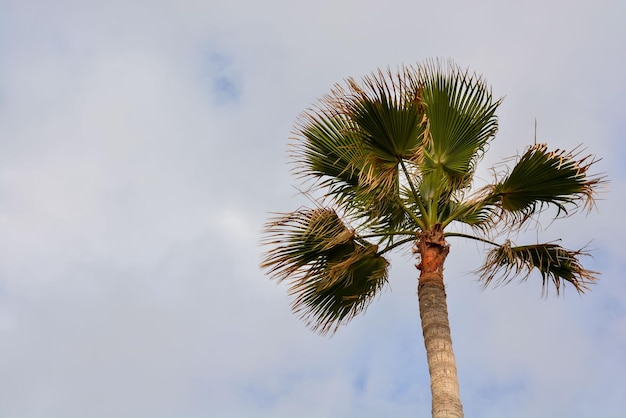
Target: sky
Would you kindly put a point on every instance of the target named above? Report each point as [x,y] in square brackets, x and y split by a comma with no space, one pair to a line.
[143,145]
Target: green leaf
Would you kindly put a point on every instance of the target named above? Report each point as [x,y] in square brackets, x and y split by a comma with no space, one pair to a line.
[553,262]
[389,113]
[542,178]
[477,213]
[333,275]
[331,149]
[327,150]
[460,111]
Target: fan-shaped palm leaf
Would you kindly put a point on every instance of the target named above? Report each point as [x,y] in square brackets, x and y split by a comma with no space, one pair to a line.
[542,178]
[554,263]
[328,151]
[333,275]
[353,141]
[461,121]
[389,113]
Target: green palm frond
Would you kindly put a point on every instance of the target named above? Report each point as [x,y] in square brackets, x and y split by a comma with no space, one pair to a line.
[332,154]
[352,142]
[333,275]
[389,113]
[542,178]
[477,213]
[383,214]
[461,118]
[554,263]
[328,151]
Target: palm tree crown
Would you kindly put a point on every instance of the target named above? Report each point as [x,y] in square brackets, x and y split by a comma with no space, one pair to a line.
[394,157]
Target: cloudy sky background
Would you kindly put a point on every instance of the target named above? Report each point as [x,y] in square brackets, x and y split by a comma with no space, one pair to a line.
[143,143]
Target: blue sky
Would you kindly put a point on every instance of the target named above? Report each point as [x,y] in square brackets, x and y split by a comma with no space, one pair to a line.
[143,144]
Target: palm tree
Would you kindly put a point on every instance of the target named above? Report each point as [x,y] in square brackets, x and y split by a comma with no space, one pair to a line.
[393,162]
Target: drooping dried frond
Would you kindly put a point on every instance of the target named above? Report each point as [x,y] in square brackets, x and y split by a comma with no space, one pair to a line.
[349,284]
[554,263]
[541,178]
[299,237]
[333,275]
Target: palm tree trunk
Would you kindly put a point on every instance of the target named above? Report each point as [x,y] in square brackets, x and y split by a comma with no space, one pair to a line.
[444,385]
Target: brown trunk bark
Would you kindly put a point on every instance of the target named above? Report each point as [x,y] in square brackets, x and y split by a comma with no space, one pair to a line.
[433,249]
